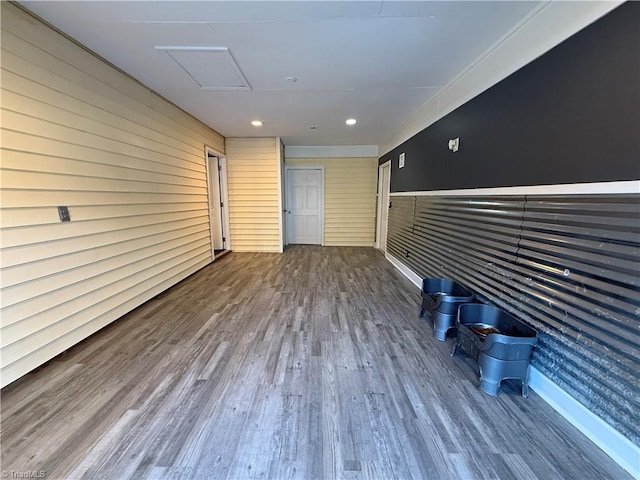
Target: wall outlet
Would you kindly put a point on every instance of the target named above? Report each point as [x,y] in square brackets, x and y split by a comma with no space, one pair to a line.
[401,160]
[63,213]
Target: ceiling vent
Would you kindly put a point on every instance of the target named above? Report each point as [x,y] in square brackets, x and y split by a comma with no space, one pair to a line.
[212,68]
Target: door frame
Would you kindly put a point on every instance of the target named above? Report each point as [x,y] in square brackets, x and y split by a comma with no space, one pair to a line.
[381,207]
[286,189]
[281,199]
[221,175]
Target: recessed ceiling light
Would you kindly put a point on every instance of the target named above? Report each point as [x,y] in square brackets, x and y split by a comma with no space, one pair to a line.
[291,79]
[351,121]
[256,123]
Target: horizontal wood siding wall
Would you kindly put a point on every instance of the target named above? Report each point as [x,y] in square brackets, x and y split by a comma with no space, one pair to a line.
[253,168]
[349,199]
[77,132]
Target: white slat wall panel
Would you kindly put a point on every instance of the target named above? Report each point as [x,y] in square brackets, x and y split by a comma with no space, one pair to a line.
[349,199]
[130,167]
[252,178]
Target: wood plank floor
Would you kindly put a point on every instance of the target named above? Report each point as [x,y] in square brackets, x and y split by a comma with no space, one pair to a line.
[312,364]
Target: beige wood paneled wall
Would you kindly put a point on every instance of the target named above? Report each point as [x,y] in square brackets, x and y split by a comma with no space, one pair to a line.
[130,167]
[253,178]
[349,199]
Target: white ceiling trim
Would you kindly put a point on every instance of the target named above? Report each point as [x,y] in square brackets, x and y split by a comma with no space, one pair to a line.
[337,151]
[540,31]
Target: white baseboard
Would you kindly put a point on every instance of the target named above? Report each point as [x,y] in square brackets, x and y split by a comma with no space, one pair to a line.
[622,450]
[406,271]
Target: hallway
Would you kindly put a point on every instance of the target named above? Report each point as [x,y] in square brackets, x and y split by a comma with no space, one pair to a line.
[312,364]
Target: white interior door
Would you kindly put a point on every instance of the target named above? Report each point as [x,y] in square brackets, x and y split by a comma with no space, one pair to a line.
[219,222]
[384,185]
[305,198]
[214,207]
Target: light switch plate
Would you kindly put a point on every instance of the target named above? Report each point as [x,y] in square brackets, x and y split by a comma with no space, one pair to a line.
[401,160]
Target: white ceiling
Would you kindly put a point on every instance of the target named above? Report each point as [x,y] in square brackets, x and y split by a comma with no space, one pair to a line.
[378,62]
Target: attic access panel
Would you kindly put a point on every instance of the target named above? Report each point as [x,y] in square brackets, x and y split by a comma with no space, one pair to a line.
[212,68]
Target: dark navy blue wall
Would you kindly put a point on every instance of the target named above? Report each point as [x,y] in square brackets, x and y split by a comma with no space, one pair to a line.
[571,116]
